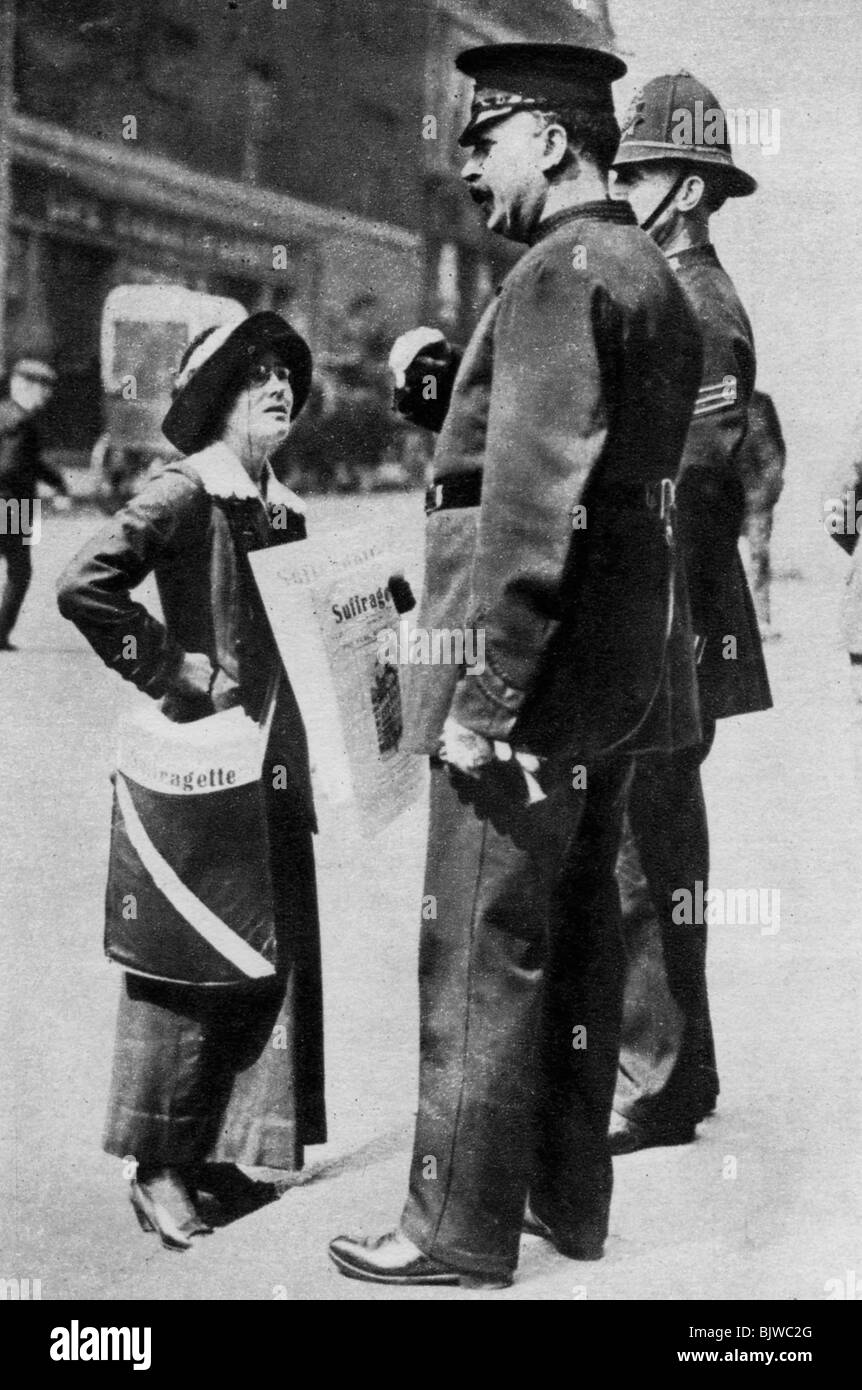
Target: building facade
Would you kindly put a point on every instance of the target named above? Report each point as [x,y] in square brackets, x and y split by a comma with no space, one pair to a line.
[292,154]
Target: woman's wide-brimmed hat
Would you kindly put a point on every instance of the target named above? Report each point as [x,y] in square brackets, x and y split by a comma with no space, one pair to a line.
[214,367]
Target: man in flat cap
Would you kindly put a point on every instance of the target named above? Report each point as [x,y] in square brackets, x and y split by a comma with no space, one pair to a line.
[549,536]
[676,169]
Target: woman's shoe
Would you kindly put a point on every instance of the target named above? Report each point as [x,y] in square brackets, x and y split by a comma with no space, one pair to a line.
[162,1204]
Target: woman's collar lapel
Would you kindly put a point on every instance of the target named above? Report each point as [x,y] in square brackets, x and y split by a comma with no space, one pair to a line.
[222,475]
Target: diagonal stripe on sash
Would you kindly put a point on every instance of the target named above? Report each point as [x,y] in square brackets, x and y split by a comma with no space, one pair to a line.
[182,899]
[709,409]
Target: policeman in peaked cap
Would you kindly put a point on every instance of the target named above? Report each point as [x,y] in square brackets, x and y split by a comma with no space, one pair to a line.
[508,78]
[676,168]
[546,540]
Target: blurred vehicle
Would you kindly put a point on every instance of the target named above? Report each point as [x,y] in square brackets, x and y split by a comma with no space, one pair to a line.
[145,331]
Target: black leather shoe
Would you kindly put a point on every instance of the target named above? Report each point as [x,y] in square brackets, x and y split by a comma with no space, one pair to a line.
[393,1259]
[533,1225]
[631,1137]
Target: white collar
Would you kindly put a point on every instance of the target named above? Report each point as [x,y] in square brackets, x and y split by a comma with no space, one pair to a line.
[223,475]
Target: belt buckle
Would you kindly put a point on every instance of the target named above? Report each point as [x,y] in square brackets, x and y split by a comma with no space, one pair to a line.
[667,499]
[433,498]
[667,507]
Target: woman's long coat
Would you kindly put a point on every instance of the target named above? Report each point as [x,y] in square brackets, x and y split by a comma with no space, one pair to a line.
[189,526]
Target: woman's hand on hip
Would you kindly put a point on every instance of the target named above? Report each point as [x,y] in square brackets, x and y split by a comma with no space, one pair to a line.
[195,675]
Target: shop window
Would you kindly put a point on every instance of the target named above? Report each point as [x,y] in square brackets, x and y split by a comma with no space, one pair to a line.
[75,283]
[169,62]
[448,285]
[16,272]
[379,178]
[379,28]
[260,97]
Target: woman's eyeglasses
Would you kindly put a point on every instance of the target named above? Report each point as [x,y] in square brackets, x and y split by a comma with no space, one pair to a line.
[261,373]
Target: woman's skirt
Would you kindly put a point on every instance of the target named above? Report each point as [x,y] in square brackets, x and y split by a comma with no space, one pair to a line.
[229,1074]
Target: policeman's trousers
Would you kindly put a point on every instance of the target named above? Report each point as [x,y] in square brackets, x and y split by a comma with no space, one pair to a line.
[667,1078]
[521,974]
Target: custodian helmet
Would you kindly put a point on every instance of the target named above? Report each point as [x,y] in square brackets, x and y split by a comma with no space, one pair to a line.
[675,117]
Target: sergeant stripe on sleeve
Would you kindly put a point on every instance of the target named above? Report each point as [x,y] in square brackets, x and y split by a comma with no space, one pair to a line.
[716,396]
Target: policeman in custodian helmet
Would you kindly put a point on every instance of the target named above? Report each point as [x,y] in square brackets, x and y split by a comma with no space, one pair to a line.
[676,169]
[677,121]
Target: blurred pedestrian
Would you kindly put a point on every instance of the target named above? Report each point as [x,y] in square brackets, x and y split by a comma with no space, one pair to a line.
[22,467]
[761,465]
[844,518]
[199,1085]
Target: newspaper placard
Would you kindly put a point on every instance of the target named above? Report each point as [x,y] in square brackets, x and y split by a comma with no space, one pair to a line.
[327,603]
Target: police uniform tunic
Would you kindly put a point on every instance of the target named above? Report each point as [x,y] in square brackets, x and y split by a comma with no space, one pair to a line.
[668,1078]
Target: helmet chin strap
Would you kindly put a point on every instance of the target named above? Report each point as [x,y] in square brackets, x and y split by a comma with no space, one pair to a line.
[664,203]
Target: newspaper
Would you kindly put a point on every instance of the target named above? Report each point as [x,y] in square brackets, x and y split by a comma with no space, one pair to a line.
[327,602]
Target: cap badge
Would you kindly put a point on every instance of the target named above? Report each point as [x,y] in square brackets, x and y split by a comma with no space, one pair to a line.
[634,115]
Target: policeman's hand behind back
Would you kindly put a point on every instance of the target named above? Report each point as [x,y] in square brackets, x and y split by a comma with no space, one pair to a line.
[464,750]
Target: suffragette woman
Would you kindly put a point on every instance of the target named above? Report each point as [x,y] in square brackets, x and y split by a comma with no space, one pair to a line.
[205,1079]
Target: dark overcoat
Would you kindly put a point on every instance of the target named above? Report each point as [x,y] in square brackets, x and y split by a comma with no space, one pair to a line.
[575,391]
[189,526]
[711,494]
[21,463]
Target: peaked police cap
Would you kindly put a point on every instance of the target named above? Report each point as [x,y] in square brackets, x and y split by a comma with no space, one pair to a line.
[512,77]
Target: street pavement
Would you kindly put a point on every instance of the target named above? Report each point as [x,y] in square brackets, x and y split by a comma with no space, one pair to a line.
[763,1205]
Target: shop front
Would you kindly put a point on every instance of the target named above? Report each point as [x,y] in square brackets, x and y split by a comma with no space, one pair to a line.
[70,247]
[87,216]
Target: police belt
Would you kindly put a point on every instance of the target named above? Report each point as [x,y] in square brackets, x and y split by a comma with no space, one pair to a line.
[465,490]
[461,490]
